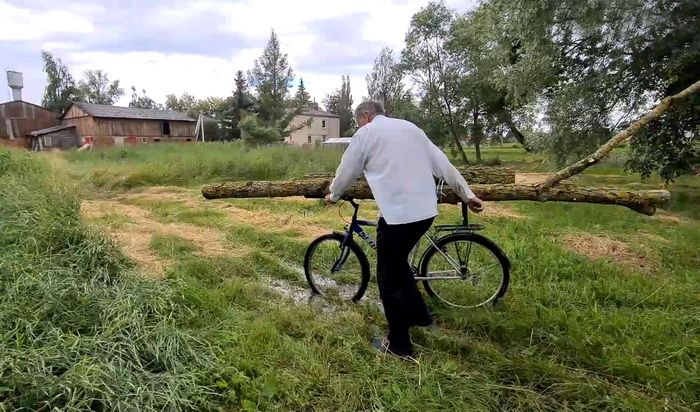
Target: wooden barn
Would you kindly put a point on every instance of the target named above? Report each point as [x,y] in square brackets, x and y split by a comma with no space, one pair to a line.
[106,126]
[19,118]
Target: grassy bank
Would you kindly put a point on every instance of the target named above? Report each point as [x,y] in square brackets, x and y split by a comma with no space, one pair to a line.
[77,330]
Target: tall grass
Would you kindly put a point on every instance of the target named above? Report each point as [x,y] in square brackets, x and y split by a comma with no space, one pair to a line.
[77,332]
[175,164]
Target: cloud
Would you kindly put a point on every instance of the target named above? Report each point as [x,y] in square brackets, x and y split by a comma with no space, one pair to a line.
[173,46]
[19,23]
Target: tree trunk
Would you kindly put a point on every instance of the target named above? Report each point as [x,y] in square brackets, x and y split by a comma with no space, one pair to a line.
[472,174]
[476,136]
[642,201]
[507,119]
[620,137]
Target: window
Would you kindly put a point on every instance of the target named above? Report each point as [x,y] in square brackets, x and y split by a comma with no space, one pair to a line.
[323,124]
[311,121]
[309,140]
[156,140]
[166,128]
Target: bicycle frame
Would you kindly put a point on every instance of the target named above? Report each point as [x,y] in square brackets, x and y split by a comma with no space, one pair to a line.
[356,225]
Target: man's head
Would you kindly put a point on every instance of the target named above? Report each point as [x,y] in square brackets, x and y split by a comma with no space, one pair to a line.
[366,111]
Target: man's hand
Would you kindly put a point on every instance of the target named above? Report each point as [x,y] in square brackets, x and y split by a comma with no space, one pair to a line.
[476,205]
[328,200]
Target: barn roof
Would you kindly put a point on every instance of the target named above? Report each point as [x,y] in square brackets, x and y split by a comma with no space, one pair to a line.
[50,130]
[118,112]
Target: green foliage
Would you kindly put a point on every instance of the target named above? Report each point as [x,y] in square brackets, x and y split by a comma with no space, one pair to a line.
[271,78]
[60,88]
[590,68]
[79,332]
[242,103]
[143,101]
[302,97]
[385,82]
[185,103]
[669,146]
[96,88]
[340,103]
[438,73]
[257,134]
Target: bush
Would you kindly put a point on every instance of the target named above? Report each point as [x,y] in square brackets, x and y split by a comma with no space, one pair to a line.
[78,332]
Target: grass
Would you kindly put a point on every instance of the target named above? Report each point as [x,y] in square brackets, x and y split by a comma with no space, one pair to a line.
[572,334]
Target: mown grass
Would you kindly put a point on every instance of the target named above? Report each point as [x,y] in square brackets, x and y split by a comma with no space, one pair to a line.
[572,333]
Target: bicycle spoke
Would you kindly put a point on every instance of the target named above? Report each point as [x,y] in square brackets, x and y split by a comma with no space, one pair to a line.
[477,286]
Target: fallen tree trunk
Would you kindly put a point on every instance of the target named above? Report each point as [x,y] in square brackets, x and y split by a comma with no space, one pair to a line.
[642,201]
[473,174]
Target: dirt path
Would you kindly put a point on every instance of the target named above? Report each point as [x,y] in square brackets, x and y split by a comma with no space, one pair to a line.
[260,219]
[136,229]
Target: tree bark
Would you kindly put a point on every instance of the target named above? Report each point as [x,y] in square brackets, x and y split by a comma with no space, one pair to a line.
[620,137]
[472,174]
[642,201]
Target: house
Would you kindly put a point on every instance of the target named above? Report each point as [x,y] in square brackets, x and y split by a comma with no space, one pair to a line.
[106,126]
[323,125]
[19,118]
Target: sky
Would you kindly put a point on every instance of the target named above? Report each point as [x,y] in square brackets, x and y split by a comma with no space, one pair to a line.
[196,46]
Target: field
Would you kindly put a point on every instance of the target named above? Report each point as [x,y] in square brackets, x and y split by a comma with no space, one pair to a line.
[122,288]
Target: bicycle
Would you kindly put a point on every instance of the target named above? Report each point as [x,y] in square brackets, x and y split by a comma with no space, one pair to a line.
[458,278]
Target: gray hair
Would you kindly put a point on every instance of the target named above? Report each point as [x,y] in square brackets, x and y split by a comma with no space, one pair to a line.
[370,108]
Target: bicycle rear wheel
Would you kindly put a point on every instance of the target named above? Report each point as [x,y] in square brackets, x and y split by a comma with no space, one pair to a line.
[465,270]
[336,269]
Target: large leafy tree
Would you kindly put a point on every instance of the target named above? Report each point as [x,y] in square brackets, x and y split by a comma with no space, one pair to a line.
[589,68]
[95,87]
[385,82]
[340,102]
[435,70]
[60,86]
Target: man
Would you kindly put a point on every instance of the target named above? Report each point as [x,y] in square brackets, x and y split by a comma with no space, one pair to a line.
[399,162]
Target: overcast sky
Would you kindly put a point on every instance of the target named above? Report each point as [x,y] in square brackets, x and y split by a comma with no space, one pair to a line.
[196,46]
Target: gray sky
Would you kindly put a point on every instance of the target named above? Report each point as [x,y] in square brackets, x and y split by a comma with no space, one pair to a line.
[196,46]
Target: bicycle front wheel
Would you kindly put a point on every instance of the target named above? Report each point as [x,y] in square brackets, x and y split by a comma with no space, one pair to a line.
[465,270]
[336,269]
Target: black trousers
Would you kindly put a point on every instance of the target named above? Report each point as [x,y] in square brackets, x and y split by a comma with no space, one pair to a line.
[403,303]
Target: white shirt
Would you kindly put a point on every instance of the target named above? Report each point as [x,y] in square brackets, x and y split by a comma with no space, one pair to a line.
[399,162]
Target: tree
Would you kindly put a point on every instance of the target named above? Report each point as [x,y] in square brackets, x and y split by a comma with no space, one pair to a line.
[589,68]
[385,82]
[185,103]
[96,88]
[240,104]
[339,102]
[434,70]
[302,97]
[143,102]
[271,78]
[255,133]
[60,87]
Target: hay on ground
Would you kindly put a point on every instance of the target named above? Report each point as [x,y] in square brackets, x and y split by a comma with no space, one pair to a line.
[599,247]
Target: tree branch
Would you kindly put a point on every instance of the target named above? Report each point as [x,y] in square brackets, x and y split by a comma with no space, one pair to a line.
[620,137]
